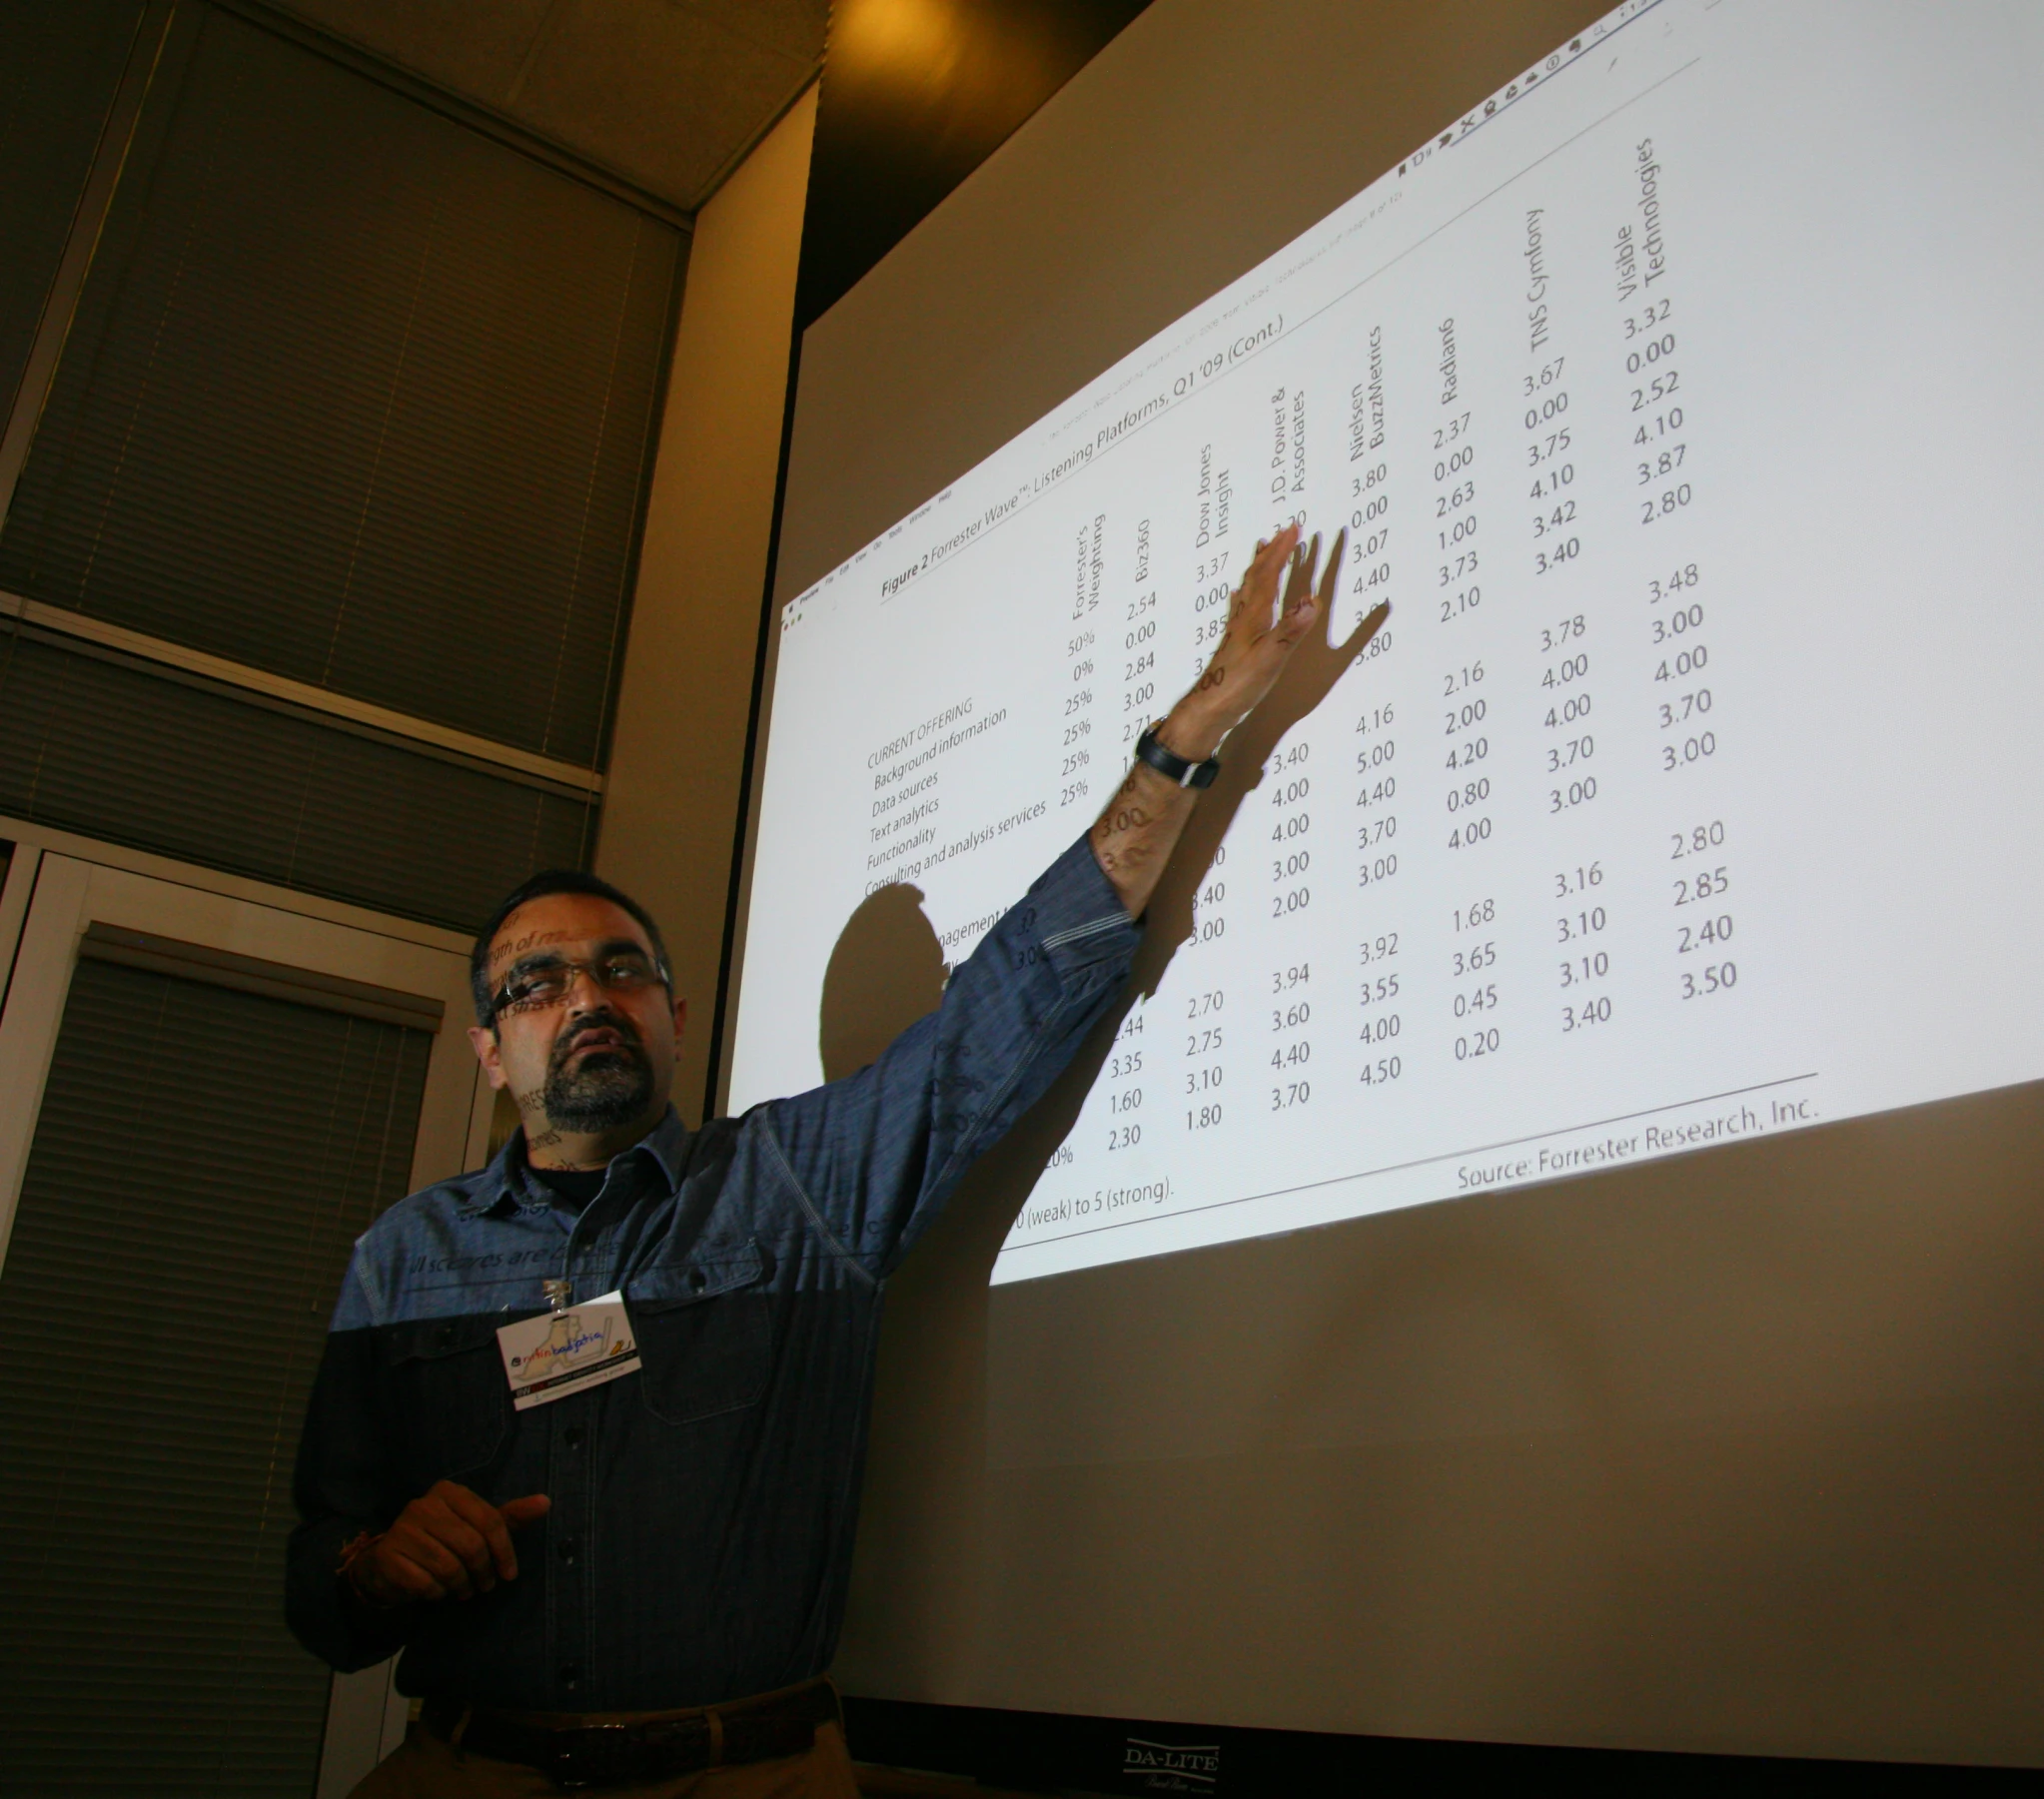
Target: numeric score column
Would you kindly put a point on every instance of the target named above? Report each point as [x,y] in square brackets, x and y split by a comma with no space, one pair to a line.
[1681,625]
[1283,838]
[1466,824]
[1375,520]
[1568,624]
[1128,650]
[1199,1027]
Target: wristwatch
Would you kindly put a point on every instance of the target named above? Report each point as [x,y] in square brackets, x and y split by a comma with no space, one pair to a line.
[1177,768]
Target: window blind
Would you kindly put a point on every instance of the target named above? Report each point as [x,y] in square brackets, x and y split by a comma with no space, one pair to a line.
[356,395]
[203,1160]
[111,750]
[60,62]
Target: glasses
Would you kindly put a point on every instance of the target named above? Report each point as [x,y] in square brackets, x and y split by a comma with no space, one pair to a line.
[549,983]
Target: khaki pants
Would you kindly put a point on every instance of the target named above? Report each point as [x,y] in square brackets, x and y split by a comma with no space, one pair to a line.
[427,1768]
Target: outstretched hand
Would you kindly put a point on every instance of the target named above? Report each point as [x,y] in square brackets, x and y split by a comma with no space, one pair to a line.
[1311,663]
[1270,669]
[1306,677]
[1256,646]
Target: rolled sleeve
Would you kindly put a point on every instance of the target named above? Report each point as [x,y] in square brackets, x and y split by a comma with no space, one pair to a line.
[1080,918]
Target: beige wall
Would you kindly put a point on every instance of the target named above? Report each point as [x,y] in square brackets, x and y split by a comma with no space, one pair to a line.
[673,796]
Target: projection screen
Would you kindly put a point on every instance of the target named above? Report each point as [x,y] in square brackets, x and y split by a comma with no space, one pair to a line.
[1545,1250]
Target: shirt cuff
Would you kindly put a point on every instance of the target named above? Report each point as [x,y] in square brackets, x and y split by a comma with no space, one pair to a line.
[325,1612]
[1080,918]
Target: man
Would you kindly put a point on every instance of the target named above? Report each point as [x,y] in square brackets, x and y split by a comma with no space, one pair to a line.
[637,1582]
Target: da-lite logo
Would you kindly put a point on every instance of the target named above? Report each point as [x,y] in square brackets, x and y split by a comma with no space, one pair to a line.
[1171,1767]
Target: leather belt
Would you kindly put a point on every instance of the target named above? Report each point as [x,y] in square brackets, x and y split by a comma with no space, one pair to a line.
[576,1757]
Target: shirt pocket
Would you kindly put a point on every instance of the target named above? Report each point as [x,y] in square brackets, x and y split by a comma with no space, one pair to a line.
[704,1330]
[452,1399]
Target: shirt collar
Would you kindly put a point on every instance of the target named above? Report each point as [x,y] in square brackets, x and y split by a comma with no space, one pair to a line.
[504,1186]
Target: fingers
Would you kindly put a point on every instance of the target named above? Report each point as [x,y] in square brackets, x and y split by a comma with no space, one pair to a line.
[1260,581]
[448,1515]
[1331,578]
[519,1513]
[1296,572]
[488,1526]
[1272,552]
[459,1558]
[1301,607]
[1257,593]
[412,1544]
[1372,623]
[1307,602]
[457,1539]
[1299,576]
[396,1577]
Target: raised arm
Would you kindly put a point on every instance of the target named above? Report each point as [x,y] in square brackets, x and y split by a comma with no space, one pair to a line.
[874,1155]
[1133,839]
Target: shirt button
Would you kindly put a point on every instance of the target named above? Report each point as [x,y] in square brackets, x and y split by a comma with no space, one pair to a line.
[569,1547]
[571,1675]
[696,1282]
[572,1437]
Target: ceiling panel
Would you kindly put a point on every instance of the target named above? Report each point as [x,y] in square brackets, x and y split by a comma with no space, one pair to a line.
[666,93]
[662,93]
[473,48]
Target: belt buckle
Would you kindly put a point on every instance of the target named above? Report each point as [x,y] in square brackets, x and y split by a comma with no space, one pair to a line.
[600,1755]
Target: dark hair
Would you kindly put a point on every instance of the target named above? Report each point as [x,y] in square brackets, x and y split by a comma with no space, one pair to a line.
[539,886]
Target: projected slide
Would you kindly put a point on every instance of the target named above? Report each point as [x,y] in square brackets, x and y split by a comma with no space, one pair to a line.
[1683,399]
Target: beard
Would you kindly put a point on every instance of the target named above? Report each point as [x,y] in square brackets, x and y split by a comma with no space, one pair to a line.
[611,1086]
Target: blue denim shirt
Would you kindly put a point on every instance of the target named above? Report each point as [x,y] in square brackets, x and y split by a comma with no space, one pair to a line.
[701,1535]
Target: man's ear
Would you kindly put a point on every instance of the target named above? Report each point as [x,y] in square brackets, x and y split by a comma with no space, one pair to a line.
[680,1017]
[486,1053]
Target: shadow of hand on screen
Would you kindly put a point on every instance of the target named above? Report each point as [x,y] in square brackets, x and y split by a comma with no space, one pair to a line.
[1011,1169]
[886,972]
[928,1469]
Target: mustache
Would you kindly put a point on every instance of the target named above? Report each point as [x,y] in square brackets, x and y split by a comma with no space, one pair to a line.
[632,1045]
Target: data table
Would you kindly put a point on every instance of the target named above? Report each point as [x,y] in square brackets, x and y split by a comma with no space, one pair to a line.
[1682,797]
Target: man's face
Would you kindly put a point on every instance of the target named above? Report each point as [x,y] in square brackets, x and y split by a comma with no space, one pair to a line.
[597,1057]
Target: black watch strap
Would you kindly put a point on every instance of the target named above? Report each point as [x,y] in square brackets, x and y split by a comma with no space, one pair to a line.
[1177,768]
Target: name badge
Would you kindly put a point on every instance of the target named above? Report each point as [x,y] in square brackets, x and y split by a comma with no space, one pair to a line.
[559,1352]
